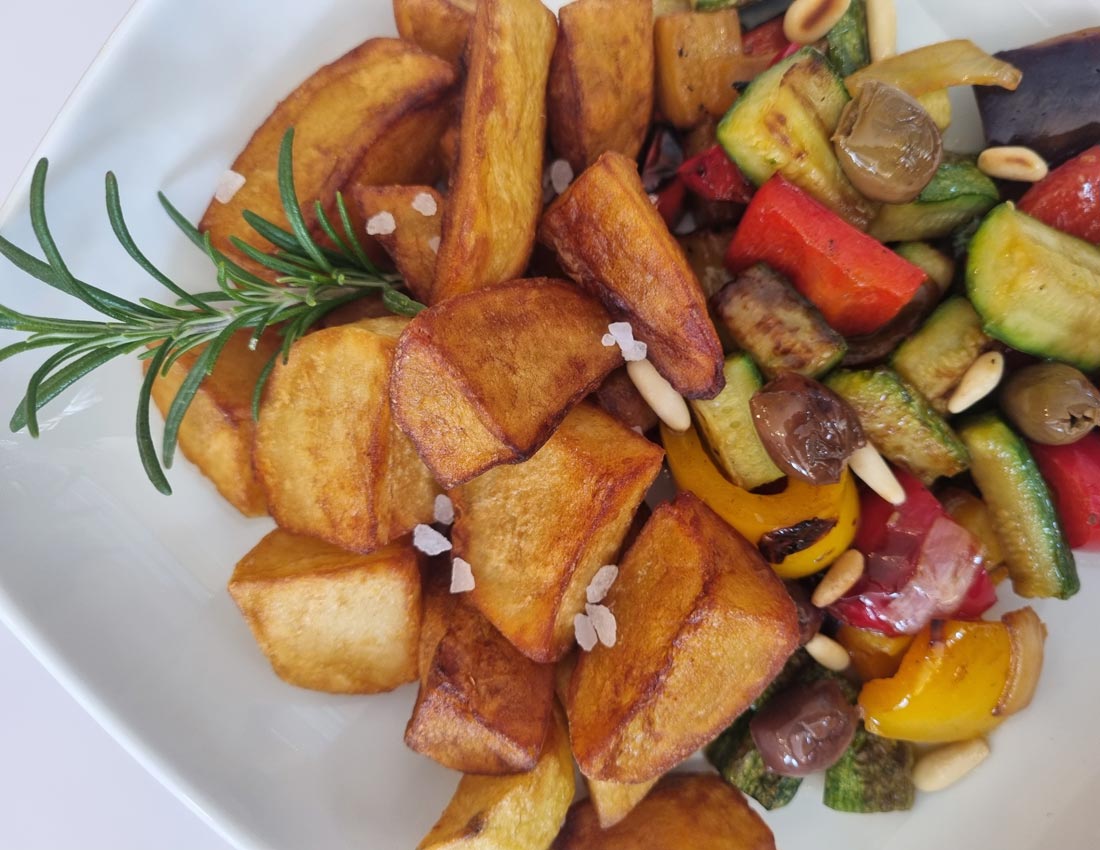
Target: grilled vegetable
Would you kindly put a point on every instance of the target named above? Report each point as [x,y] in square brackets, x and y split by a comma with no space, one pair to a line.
[1056,109]
[1036,288]
[1051,403]
[848,49]
[874,655]
[871,776]
[956,195]
[740,763]
[804,729]
[901,423]
[938,266]
[1069,197]
[1039,561]
[1073,474]
[871,349]
[938,66]
[782,331]
[783,122]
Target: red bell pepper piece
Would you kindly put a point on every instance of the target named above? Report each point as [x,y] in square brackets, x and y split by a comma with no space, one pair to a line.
[766,40]
[790,50]
[856,282]
[921,565]
[713,176]
[670,201]
[1073,473]
[1069,197]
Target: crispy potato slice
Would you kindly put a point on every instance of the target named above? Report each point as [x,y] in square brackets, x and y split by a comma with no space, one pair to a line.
[699,58]
[619,397]
[612,240]
[217,431]
[418,214]
[329,457]
[331,620]
[613,801]
[484,379]
[535,533]
[519,812]
[438,26]
[703,626]
[600,96]
[374,114]
[696,810]
[496,188]
[482,707]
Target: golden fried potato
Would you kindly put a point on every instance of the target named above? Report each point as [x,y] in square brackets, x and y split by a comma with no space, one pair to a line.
[686,810]
[373,115]
[327,453]
[496,187]
[482,707]
[600,96]
[331,620]
[699,58]
[536,532]
[613,801]
[519,812]
[217,431]
[703,626]
[619,397]
[484,379]
[438,26]
[418,214]
[612,240]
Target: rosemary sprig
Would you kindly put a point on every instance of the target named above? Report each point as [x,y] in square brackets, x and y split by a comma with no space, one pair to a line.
[310,281]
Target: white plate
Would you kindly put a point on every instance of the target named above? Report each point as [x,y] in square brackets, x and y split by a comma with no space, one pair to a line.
[120,591]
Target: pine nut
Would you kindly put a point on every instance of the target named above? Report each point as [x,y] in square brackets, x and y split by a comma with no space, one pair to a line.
[945,766]
[979,381]
[868,464]
[882,29]
[828,653]
[808,20]
[658,393]
[1013,163]
[840,578]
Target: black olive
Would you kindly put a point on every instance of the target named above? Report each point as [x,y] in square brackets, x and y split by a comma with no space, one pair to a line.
[1051,403]
[810,617]
[807,430]
[804,729]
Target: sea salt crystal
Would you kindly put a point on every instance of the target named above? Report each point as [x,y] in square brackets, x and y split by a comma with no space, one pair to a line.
[603,621]
[608,340]
[653,199]
[601,583]
[381,224]
[429,541]
[433,243]
[623,334]
[229,184]
[425,204]
[462,576]
[561,175]
[585,632]
[444,510]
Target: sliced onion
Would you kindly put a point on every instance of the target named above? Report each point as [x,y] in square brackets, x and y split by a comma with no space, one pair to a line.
[1028,634]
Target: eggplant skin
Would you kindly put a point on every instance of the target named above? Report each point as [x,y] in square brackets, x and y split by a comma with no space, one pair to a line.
[1056,109]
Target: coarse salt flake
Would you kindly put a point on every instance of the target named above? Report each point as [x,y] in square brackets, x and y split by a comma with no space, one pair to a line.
[608,340]
[585,632]
[444,510]
[381,224]
[601,583]
[654,198]
[433,243]
[623,334]
[425,204]
[561,175]
[462,576]
[229,184]
[429,541]
[603,621]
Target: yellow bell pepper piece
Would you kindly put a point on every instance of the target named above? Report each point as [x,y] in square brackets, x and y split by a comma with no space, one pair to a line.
[874,655]
[755,515]
[974,515]
[947,688]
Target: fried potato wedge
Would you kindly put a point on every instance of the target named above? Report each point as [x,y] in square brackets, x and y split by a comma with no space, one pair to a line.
[519,812]
[496,188]
[327,453]
[611,239]
[536,532]
[484,379]
[703,626]
[373,115]
[619,397]
[696,810]
[217,431]
[417,215]
[438,26]
[600,96]
[699,58]
[482,707]
[331,620]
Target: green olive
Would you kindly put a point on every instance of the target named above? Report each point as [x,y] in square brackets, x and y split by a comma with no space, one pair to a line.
[1051,403]
[888,144]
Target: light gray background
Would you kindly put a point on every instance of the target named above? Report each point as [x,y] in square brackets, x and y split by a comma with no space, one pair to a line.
[64,783]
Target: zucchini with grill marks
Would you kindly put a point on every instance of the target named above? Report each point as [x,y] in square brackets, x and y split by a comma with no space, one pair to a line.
[873,775]
[958,194]
[848,49]
[741,765]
